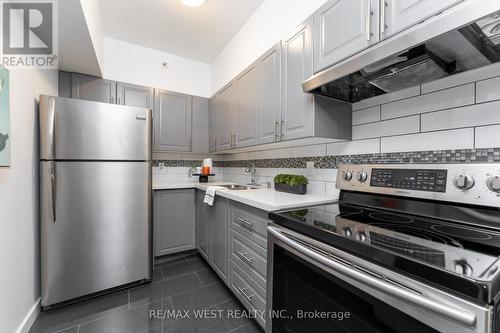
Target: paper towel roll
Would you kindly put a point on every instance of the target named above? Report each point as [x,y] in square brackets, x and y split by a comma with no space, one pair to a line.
[207,162]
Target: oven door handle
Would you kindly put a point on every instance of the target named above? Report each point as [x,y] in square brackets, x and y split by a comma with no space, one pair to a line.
[445,310]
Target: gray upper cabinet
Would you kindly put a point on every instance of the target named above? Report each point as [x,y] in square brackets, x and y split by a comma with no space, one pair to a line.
[203,222]
[220,237]
[225,118]
[201,121]
[93,88]
[174,221]
[297,106]
[269,66]
[134,95]
[213,124]
[343,28]
[398,15]
[172,121]
[246,105]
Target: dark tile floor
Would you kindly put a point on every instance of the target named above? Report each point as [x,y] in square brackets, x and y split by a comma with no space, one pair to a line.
[182,284]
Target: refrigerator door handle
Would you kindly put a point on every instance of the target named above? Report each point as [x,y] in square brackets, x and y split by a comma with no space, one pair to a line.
[53,190]
[52,130]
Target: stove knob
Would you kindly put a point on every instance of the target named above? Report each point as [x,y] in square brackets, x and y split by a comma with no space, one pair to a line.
[463,182]
[362,177]
[348,175]
[347,231]
[493,184]
[462,267]
[361,236]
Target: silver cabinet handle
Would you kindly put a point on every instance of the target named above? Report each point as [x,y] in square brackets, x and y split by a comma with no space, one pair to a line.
[246,223]
[445,310]
[53,189]
[244,294]
[282,124]
[275,128]
[368,20]
[245,257]
[383,4]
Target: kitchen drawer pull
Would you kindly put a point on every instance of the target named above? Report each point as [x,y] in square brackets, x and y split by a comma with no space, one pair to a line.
[244,294]
[244,256]
[245,222]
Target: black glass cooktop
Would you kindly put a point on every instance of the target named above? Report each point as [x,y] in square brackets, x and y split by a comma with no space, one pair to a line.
[430,248]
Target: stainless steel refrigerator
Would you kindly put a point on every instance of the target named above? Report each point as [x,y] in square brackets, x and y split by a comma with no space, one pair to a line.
[95,198]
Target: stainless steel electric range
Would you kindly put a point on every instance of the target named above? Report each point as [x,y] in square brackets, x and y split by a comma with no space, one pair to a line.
[408,248]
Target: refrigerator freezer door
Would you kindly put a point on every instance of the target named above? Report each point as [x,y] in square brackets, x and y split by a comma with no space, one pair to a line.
[95,227]
[72,129]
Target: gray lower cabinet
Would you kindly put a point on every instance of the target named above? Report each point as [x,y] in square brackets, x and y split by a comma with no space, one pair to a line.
[203,222]
[219,237]
[232,237]
[172,121]
[174,221]
[134,95]
[212,232]
[93,88]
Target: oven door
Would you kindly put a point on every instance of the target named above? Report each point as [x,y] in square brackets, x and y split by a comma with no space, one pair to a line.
[313,287]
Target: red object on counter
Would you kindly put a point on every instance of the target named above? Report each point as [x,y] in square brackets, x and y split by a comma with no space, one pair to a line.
[206,170]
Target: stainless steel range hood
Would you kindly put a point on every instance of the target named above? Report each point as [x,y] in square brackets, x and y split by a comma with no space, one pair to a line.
[443,46]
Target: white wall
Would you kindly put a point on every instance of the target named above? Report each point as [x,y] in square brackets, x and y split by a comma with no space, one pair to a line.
[19,235]
[273,20]
[136,64]
[92,13]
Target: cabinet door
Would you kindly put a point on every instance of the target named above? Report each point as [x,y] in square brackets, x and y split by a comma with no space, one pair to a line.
[297,106]
[270,94]
[65,84]
[93,88]
[402,14]
[172,121]
[220,237]
[343,28]
[213,124]
[200,131]
[246,106]
[174,221]
[225,118]
[134,95]
[203,220]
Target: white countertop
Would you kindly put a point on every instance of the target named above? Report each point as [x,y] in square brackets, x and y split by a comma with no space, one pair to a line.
[263,198]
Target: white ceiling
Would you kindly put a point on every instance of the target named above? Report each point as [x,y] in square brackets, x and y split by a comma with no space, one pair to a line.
[198,33]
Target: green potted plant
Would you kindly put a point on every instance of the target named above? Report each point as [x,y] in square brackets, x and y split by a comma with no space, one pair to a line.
[296,184]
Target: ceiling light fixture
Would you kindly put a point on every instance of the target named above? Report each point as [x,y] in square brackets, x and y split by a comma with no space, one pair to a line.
[193,3]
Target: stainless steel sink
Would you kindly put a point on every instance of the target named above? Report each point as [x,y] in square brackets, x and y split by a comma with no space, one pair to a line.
[237,187]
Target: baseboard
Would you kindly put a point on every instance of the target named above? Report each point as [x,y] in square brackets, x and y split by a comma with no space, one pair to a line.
[30,318]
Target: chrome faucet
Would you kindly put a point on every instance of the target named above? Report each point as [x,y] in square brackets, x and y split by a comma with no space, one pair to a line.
[253,175]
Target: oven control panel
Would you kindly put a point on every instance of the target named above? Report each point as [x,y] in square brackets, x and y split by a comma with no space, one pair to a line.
[462,183]
[431,180]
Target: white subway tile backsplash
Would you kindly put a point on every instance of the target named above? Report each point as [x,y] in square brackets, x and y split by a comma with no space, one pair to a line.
[474,115]
[316,187]
[404,125]
[366,115]
[257,155]
[488,90]
[442,140]
[386,98]
[444,99]
[368,146]
[463,78]
[487,136]
[307,151]
[278,153]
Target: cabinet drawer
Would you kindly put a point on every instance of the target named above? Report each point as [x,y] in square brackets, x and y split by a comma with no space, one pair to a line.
[250,257]
[250,224]
[248,292]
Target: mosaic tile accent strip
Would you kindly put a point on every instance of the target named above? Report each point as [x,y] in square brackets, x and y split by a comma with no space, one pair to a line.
[183,163]
[486,155]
